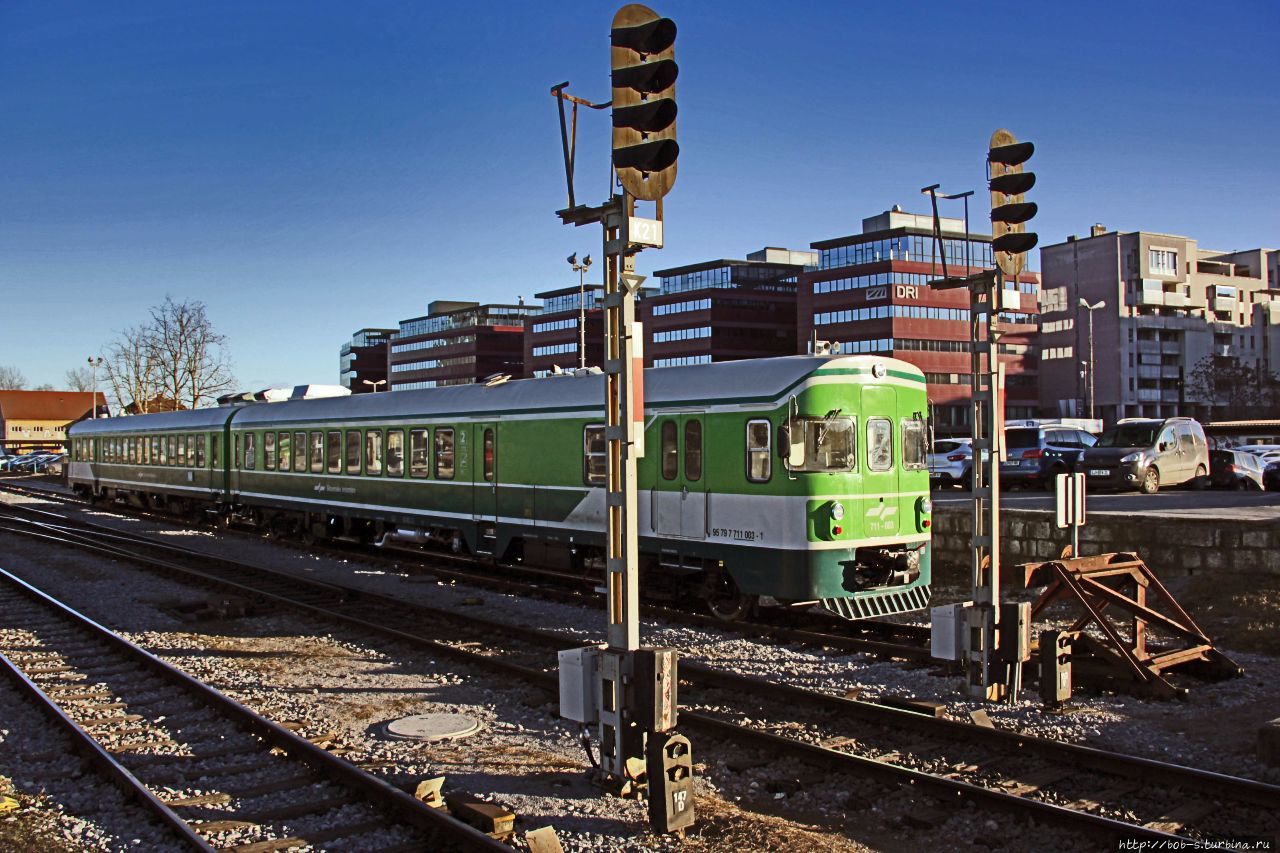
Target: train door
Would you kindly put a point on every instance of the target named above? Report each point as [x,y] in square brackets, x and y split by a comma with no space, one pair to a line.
[485,491]
[680,494]
[880,485]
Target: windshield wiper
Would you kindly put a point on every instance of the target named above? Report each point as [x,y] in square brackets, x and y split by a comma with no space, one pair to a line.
[826,425]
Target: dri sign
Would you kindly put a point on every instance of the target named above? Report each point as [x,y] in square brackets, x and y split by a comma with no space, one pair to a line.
[906,291]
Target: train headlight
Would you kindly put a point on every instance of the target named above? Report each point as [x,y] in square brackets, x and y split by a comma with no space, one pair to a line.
[837,510]
[926,506]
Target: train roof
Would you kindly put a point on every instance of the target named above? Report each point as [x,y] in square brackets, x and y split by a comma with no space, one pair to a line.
[189,419]
[755,380]
[760,380]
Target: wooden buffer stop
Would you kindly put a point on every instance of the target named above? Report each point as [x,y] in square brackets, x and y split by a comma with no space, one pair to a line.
[1131,632]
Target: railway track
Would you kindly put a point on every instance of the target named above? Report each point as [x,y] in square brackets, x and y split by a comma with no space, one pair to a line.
[1084,788]
[214,772]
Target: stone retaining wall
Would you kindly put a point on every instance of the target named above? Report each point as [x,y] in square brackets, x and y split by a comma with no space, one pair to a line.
[1172,545]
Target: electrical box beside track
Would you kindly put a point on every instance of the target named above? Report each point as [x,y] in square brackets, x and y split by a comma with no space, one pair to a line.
[947,626]
[580,684]
[655,684]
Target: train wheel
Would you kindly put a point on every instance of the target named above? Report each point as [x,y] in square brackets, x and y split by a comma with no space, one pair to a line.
[729,603]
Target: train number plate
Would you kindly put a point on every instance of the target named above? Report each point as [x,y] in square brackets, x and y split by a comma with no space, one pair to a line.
[1098,472]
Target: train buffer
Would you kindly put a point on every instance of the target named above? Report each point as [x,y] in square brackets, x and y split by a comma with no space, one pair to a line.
[1131,633]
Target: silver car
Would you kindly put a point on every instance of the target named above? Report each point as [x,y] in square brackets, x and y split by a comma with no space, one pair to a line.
[951,463]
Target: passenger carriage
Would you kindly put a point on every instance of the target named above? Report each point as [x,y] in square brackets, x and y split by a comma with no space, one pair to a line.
[780,480]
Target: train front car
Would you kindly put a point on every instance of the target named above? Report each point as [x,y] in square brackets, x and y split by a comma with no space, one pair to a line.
[827,499]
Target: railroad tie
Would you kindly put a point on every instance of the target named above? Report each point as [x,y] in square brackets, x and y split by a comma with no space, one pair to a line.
[1181,815]
[919,748]
[133,745]
[269,846]
[1110,795]
[298,780]
[211,799]
[1029,783]
[350,830]
[286,812]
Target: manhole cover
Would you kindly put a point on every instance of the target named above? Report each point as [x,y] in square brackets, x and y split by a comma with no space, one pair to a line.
[433,727]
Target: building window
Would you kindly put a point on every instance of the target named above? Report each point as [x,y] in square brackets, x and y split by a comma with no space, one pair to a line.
[1163,262]
[682,334]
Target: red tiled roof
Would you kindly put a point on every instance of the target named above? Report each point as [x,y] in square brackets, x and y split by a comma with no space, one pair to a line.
[47,405]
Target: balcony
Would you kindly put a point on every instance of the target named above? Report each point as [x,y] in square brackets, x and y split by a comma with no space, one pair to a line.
[1171,347]
[1223,303]
[1148,395]
[1170,372]
[1149,346]
[1149,297]
[1176,300]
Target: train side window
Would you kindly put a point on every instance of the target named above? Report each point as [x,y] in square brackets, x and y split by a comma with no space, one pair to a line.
[879,444]
[594,455]
[395,453]
[172,441]
[333,454]
[444,453]
[317,452]
[268,451]
[191,451]
[283,446]
[157,450]
[353,451]
[373,452]
[759,461]
[419,453]
[300,452]
[693,450]
[200,450]
[670,451]
[489,455]
[145,449]
[914,452]
[214,442]
[249,448]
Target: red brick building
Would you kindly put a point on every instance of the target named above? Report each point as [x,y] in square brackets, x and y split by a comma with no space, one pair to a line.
[551,338]
[869,292]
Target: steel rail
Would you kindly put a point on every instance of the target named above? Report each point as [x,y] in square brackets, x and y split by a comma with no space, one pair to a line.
[1092,758]
[93,751]
[379,792]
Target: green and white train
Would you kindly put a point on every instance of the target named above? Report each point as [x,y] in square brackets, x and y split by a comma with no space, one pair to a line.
[766,482]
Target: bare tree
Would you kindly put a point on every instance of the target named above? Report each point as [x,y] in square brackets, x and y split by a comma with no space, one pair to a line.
[176,360]
[44,386]
[129,369]
[190,357]
[11,378]
[80,379]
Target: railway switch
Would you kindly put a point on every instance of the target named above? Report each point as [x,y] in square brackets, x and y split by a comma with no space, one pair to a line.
[670,772]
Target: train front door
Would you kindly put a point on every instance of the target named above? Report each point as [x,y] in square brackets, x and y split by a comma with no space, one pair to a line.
[880,516]
[484,448]
[680,494]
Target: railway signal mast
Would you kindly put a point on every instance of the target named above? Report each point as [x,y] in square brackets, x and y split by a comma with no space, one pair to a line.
[628,690]
[996,639]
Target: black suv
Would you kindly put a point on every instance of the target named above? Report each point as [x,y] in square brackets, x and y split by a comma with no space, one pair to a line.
[1036,455]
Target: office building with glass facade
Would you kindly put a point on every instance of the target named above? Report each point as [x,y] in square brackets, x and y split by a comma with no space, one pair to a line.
[551,339]
[362,361]
[870,293]
[724,310]
[458,343]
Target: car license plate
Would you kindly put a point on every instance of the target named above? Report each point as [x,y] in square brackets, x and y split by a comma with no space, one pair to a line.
[1098,472]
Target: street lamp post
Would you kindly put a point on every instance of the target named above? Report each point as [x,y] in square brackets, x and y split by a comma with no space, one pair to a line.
[1084,303]
[94,363]
[581,270]
[374,384]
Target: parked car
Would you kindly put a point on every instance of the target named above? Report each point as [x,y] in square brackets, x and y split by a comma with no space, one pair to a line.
[1271,477]
[1235,469]
[951,463]
[1035,456]
[1147,453]
[1259,449]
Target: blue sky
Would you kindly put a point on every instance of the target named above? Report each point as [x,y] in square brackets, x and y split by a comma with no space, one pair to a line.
[309,168]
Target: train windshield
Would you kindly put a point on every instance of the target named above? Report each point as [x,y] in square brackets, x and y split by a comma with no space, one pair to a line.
[830,444]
